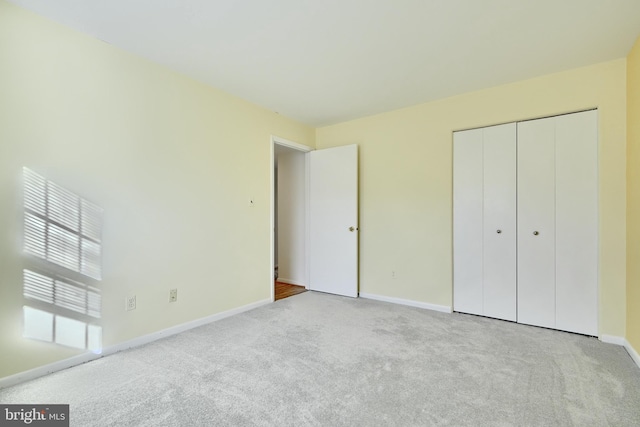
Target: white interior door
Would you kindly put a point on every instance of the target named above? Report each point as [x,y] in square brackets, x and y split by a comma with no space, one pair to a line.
[333,220]
[499,237]
[536,223]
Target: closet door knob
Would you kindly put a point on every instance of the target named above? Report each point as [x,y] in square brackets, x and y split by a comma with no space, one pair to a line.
[535,233]
[498,231]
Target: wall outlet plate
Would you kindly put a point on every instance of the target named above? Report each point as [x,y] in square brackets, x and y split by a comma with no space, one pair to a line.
[130,303]
[173,295]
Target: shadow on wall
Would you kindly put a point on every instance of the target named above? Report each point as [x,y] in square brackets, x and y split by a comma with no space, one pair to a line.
[62,247]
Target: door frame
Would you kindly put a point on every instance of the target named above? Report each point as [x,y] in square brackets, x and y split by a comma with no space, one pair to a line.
[276,140]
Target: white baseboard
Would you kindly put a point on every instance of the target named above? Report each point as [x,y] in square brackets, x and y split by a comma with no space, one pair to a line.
[632,352]
[41,371]
[410,303]
[612,339]
[145,339]
[291,282]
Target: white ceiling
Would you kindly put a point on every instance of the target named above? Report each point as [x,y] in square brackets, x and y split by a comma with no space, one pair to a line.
[327,61]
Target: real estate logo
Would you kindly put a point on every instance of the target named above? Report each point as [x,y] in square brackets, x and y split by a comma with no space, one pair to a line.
[34,415]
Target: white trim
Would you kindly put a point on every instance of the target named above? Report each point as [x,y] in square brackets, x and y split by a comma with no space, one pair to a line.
[40,371]
[304,149]
[632,352]
[307,219]
[145,339]
[410,303]
[291,282]
[272,218]
[612,339]
[290,144]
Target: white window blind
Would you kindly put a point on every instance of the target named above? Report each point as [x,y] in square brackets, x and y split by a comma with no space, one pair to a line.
[61,227]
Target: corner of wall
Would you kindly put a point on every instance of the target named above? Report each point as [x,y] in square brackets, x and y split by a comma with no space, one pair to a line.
[633,200]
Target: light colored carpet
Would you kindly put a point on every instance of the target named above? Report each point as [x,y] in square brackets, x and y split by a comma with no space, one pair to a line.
[322,360]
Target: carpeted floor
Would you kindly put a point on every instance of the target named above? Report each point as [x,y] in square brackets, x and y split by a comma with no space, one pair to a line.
[322,360]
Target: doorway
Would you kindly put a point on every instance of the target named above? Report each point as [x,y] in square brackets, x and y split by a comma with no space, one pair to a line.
[317,245]
[289,214]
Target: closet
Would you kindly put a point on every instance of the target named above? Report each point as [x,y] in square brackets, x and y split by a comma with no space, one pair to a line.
[525,222]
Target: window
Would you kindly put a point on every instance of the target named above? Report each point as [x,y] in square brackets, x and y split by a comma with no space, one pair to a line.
[62,241]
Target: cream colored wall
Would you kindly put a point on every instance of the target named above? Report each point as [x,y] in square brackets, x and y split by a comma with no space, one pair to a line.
[633,196]
[173,163]
[406,188]
[291,217]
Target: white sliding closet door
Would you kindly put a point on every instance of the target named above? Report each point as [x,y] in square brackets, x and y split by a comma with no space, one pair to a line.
[557,222]
[577,223]
[536,222]
[499,276]
[484,221]
[467,221]
[525,222]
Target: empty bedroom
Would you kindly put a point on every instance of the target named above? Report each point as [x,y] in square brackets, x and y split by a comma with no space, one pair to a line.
[448,193]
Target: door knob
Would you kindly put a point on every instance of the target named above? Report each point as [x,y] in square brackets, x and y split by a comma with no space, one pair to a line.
[498,231]
[535,233]
[352,229]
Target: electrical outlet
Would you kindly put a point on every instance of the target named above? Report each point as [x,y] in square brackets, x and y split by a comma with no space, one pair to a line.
[173,295]
[130,303]
[393,274]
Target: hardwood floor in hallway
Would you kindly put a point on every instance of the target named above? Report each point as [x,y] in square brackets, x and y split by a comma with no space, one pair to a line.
[285,290]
